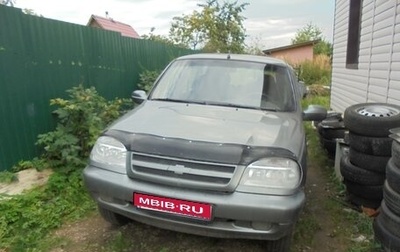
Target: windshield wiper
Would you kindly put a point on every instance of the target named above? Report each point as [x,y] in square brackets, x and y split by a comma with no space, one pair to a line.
[224,104]
[233,105]
[177,100]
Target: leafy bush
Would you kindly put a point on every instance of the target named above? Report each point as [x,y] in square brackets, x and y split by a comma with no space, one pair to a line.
[317,71]
[147,79]
[81,120]
[7,177]
[36,163]
[26,219]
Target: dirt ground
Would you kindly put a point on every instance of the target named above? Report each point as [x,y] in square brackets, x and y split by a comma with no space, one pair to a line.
[95,234]
[26,179]
[318,191]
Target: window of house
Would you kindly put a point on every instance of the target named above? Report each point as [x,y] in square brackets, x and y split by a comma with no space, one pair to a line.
[353,38]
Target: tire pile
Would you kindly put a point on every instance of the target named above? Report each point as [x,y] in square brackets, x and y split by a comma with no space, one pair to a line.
[329,130]
[387,224]
[364,167]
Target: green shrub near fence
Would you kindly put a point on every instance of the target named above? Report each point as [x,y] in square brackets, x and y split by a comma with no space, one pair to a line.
[41,58]
[147,79]
[81,119]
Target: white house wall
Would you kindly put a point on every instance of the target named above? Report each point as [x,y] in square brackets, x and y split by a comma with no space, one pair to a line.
[377,78]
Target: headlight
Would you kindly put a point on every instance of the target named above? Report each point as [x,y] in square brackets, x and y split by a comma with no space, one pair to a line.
[271,175]
[109,153]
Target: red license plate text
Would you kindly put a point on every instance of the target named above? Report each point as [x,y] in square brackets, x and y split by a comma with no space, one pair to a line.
[175,206]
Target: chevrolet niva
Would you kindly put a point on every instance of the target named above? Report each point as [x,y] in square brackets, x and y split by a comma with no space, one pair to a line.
[217,148]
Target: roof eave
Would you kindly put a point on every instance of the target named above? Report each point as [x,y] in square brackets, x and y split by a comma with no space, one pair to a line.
[281,48]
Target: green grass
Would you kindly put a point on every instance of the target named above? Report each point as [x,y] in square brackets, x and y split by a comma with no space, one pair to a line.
[26,219]
[316,100]
[8,177]
[49,242]
[119,243]
[306,226]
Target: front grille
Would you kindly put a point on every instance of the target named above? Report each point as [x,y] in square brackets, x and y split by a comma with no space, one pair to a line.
[181,169]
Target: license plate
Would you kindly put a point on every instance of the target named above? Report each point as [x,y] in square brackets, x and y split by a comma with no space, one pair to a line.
[174,206]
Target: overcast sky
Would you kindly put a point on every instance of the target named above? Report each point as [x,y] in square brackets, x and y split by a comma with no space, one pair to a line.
[269,23]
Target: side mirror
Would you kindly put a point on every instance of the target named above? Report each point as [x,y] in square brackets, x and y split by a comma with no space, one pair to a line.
[314,113]
[138,96]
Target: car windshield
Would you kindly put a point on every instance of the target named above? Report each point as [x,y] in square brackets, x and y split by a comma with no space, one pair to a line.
[226,83]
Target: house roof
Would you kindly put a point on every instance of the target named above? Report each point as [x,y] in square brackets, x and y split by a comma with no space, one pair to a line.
[112,25]
[282,48]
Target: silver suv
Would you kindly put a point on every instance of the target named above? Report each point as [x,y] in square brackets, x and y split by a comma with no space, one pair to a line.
[217,149]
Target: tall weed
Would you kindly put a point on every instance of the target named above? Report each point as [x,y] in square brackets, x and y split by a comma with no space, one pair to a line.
[317,71]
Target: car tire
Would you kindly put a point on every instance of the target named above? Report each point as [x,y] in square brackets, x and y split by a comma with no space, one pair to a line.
[359,175]
[396,153]
[368,192]
[329,146]
[363,202]
[113,218]
[332,133]
[329,132]
[377,146]
[391,198]
[332,127]
[388,240]
[281,245]
[390,220]
[368,162]
[393,175]
[372,119]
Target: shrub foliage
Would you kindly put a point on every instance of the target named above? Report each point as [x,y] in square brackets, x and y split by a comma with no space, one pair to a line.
[26,219]
[147,79]
[80,121]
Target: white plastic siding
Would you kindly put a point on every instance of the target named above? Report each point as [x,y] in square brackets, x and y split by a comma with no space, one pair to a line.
[377,78]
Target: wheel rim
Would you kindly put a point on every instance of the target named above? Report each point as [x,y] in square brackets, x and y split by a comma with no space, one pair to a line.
[378,111]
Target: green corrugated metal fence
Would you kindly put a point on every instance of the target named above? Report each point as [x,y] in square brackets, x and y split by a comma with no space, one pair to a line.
[41,58]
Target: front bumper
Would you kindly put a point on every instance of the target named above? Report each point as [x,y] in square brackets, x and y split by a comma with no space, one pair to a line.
[235,215]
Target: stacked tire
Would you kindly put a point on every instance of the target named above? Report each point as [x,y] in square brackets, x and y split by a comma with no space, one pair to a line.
[387,224]
[329,130]
[364,167]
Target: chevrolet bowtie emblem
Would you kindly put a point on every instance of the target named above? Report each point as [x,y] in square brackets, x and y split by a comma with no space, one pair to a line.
[177,169]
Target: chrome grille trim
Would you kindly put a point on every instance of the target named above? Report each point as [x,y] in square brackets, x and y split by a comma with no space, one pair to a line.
[181,169]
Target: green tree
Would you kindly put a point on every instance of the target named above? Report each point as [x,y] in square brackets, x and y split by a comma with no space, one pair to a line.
[8,2]
[323,47]
[307,33]
[254,46]
[158,38]
[312,32]
[31,12]
[216,27]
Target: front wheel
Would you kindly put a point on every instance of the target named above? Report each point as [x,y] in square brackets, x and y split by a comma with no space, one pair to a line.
[281,245]
[114,218]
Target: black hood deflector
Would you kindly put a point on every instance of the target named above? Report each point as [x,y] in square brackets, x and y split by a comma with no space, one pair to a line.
[197,150]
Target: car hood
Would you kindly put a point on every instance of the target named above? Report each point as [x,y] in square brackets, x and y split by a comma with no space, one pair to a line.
[216,124]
